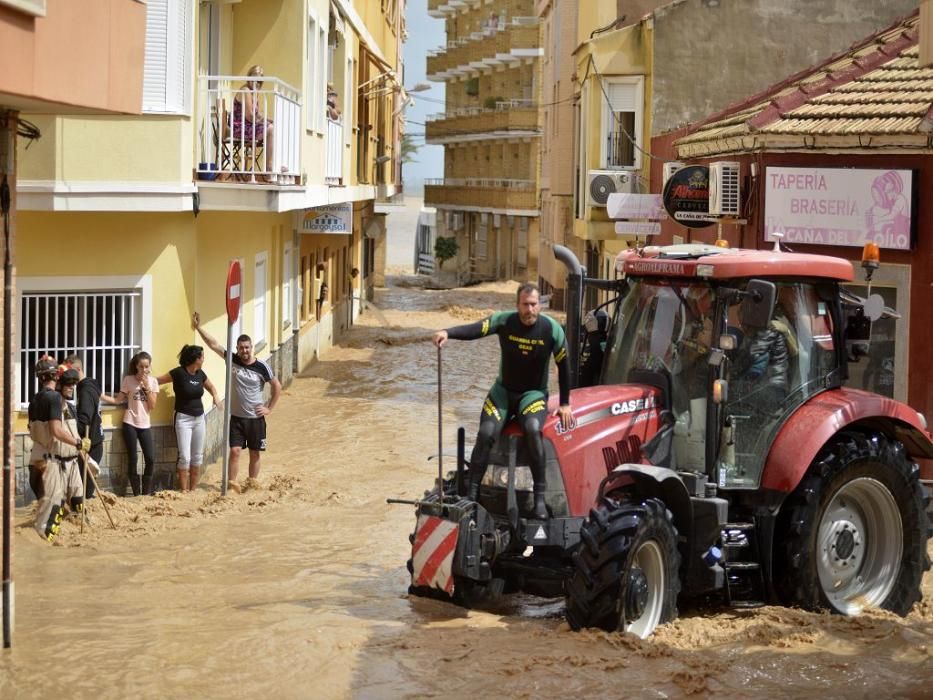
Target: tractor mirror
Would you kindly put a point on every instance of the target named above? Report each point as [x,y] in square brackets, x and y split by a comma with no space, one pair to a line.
[757,304]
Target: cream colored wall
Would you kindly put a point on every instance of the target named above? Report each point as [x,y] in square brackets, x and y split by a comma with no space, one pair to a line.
[222,236]
[109,149]
[270,34]
[162,246]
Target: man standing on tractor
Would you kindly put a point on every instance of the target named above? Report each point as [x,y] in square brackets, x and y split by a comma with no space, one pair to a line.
[527,339]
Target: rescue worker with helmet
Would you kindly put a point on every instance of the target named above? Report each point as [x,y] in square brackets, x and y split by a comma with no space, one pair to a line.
[53,462]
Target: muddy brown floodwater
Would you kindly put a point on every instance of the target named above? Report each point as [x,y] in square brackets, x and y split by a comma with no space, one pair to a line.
[297,587]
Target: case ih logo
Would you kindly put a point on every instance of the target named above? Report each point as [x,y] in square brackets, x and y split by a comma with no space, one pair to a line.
[621,407]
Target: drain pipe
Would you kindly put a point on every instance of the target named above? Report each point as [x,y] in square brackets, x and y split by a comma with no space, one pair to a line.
[7,510]
[573,303]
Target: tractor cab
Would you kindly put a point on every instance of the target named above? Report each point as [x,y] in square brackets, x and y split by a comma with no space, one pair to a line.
[733,356]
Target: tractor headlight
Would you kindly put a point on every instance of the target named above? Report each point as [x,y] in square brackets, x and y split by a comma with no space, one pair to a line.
[498,477]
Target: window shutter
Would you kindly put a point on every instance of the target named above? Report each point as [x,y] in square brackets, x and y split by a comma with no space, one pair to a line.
[156,64]
[623,97]
[166,70]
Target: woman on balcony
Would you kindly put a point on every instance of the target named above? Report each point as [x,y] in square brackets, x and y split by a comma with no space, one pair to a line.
[250,118]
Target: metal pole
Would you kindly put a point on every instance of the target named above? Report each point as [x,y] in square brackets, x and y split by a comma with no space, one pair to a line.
[7,509]
[228,359]
[440,432]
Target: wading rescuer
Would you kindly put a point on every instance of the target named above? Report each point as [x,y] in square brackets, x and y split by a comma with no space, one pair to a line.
[53,462]
[527,339]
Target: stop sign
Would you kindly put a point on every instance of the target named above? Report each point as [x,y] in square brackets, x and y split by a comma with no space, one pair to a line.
[233,292]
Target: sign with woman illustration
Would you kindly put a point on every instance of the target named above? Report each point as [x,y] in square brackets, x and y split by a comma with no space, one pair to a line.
[840,206]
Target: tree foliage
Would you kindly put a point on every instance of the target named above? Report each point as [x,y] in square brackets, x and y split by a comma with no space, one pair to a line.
[445,249]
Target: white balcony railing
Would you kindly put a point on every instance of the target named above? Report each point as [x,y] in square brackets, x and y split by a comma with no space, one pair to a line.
[234,145]
[333,174]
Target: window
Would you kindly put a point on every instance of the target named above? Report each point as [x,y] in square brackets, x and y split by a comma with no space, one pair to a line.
[622,123]
[259,299]
[104,327]
[167,69]
[481,238]
[287,273]
[319,99]
[348,97]
[317,57]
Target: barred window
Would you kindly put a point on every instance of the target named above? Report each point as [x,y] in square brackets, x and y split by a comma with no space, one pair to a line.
[103,328]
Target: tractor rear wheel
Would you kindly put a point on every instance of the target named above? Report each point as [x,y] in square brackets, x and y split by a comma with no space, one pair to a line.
[855,530]
[626,569]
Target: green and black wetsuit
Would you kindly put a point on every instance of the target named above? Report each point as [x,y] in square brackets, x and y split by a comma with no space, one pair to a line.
[521,387]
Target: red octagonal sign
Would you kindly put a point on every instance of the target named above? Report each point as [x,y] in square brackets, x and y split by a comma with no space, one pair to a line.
[233,292]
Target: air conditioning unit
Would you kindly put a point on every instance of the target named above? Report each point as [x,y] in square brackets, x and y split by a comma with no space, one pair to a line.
[602,183]
[669,169]
[725,196]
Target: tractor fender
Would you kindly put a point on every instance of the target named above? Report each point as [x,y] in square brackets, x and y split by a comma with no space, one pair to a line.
[814,424]
[647,481]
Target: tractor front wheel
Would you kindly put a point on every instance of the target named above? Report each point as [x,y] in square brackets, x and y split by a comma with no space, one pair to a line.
[856,530]
[626,570]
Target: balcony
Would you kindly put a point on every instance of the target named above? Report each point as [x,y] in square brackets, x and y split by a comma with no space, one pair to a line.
[442,8]
[501,44]
[232,147]
[482,194]
[510,118]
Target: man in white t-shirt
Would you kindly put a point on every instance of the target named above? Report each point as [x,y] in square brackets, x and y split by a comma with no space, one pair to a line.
[247,410]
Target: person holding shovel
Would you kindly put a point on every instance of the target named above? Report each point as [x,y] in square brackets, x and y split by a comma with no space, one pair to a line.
[53,472]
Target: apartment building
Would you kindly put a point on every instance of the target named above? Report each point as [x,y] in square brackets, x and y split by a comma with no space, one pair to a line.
[102,44]
[488,197]
[268,134]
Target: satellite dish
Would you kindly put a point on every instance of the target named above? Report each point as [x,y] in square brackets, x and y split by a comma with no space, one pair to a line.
[873,306]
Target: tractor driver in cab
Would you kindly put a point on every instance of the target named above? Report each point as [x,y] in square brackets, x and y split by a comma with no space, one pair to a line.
[761,363]
[527,340]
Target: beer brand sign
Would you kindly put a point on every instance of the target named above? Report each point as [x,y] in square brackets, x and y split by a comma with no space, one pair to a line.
[840,206]
[686,196]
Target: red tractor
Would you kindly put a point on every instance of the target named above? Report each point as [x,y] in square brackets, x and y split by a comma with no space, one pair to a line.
[719,451]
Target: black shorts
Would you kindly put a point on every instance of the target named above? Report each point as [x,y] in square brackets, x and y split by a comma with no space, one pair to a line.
[248,432]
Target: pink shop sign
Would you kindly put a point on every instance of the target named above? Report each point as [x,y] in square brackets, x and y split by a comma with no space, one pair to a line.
[840,206]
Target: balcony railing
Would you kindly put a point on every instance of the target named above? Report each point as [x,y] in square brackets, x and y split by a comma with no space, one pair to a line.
[333,173]
[509,115]
[248,135]
[483,193]
[503,42]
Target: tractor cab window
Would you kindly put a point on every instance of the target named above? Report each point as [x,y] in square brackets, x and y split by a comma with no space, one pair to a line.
[666,329]
[772,371]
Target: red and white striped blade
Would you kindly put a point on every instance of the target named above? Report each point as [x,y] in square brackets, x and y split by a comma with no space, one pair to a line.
[432,553]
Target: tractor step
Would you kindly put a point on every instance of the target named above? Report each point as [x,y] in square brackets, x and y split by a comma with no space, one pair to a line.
[741,565]
[745,584]
[745,527]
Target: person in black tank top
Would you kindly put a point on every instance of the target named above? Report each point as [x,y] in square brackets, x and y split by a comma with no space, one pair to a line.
[189,383]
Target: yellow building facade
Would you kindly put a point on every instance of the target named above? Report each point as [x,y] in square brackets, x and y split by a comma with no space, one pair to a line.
[269,134]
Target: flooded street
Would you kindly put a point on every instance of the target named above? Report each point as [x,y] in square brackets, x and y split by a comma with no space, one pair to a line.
[297,588]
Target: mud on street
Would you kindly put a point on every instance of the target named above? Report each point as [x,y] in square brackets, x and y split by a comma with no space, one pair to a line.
[297,588]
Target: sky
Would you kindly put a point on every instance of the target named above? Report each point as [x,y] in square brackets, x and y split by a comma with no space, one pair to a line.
[424,34]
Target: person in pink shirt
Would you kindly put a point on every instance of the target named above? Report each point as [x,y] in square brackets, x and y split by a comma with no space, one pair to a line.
[141,390]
